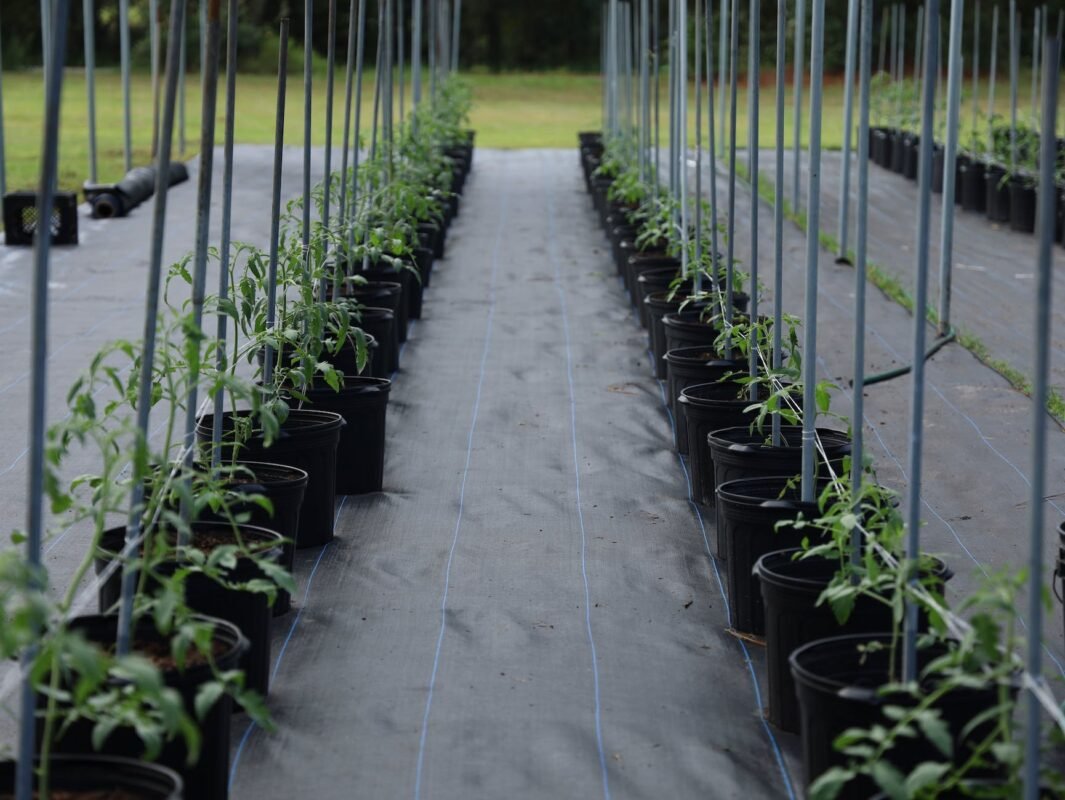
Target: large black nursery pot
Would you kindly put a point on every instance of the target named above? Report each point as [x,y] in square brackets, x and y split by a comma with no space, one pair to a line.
[709,407]
[1022,203]
[939,157]
[997,206]
[748,513]
[652,281]
[837,686]
[432,236]
[101,778]
[879,147]
[284,487]
[658,305]
[208,778]
[641,261]
[410,288]
[688,366]
[790,589]
[308,440]
[973,188]
[381,324]
[911,158]
[363,403]
[898,151]
[248,611]
[423,260]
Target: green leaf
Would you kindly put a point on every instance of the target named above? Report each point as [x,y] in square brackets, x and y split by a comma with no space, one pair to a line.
[206,697]
[936,731]
[829,784]
[890,780]
[923,776]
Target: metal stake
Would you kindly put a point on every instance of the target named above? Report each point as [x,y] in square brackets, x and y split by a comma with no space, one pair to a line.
[992,77]
[813,228]
[950,157]
[976,65]
[655,69]
[848,121]
[800,74]
[734,54]
[328,166]
[308,51]
[1035,64]
[151,313]
[399,44]
[645,89]
[913,510]
[90,93]
[682,128]
[455,36]
[348,80]
[697,280]
[778,206]
[209,82]
[722,67]
[1015,54]
[359,48]
[1044,269]
[227,216]
[57,47]
[712,148]
[275,209]
[416,52]
[127,124]
[182,70]
[3,157]
[154,32]
[754,55]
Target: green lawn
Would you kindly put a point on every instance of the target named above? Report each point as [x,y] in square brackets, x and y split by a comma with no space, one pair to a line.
[510,111]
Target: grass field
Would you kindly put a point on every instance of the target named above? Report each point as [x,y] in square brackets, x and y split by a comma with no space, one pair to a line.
[510,111]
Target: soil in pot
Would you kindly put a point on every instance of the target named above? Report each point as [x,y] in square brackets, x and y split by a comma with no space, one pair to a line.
[837,687]
[248,611]
[748,511]
[363,403]
[94,777]
[308,440]
[688,366]
[208,778]
[1022,204]
[997,205]
[790,591]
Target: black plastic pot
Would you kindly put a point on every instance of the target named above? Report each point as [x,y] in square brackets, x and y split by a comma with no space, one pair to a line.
[104,774]
[688,328]
[748,511]
[431,235]
[658,305]
[837,687]
[738,453]
[346,359]
[790,591]
[879,146]
[248,611]
[363,403]
[997,191]
[411,295]
[423,260]
[652,281]
[688,366]
[284,487]
[939,158]
[973,186]
[911,158]
[381,324]
[308,440]
[208,778]
[709,407]
[1022,204]
[898,152]
[639,262]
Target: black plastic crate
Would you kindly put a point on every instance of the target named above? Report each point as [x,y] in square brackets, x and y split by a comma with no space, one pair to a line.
[20,218]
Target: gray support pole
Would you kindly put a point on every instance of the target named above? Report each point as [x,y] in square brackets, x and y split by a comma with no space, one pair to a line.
[858,393]
[433,22]
[722,68]
[976,66]
[730,244]
[203,39]
[1044,280]
[360,46]
[612,69]
[227,217]
[672,87]
[275,209]
[682,128]
[884,25]
[697,61]
[655,69]
[1015,55]
[127,124]
[800,76]
[813,228]
[308,54]
[57,47]
[993,76]
[401,55]
[349,73]
[3,156]
[913,508]
[894,45]
[455,28]
[89,17]
[211,27]
[46,36]
[416,52]
[950,158]
[902,43]
[848,123]
[151,313]
[1035,65]
[917,62]
[645,90]
[154,31]
[328,166]
[182,70]
[754,55]
[778,205]
[714,264]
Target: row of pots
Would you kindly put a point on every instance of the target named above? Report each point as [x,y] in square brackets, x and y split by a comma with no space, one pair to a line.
[817,680]
[981,185]
[334,444]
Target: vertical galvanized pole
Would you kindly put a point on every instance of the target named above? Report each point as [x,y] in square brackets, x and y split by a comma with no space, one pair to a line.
[416,52]
[89,17]
[858,393]
[360,43]
[1015,55]
[3,155]
[976,66]
[991,78]
[155,268]
[328,166]
[711,148]
[655,70]
[46,37]
[682,128]
[800,76]
[671,51]
[730,245]
[813,223]
[203,39]
[349,73]
[455,28]
[950,155]
[227,216]
[154,29]
[1035,65]
[211,30]
[183,40]
[722,68]
[308,54]
[754,55]
[127,124]
[920,304]
[612,69]
[645,90]
[918,70]
[697,62]
[1044,281]
[401,57]
[275,209]
[848,122]
[778,205]
[57,47]
[433,22]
